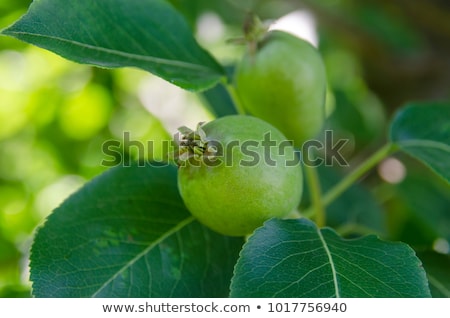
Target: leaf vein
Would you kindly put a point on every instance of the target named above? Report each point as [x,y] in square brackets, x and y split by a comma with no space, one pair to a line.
[131,56]
[180,225]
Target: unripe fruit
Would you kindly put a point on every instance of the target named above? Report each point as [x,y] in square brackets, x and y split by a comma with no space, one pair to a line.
[236,172]
[284,83]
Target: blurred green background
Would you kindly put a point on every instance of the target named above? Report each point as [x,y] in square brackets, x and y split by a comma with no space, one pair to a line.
[55,115]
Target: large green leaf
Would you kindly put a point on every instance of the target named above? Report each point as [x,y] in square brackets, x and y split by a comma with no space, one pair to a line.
[423,131]
[128,234]
[148,34]
[293,258]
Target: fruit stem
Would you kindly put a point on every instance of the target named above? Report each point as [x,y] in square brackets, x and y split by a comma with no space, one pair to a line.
[235,98]
[353,176]
[318,209]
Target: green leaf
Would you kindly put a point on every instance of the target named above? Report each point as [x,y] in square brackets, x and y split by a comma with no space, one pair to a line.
[438,272]
[148,34]
[219,101]
[423,131]
[128,234]
[293,258]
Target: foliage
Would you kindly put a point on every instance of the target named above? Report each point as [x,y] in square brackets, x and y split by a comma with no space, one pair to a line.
[129,221]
